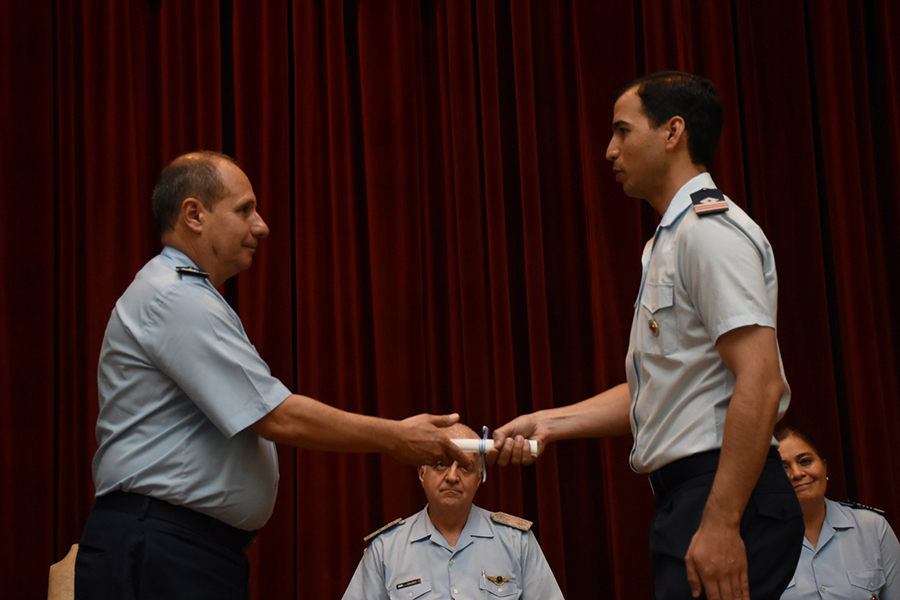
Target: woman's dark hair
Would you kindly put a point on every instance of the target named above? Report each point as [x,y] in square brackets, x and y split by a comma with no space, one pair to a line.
[786,432]
[669,94]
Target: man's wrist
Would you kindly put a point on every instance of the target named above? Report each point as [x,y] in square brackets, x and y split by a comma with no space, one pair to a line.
[547,426]
[715,515]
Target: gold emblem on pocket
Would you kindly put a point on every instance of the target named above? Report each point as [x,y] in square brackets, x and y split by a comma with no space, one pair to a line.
[654,327]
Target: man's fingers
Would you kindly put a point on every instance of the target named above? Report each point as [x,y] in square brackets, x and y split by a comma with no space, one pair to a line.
[522,451]
[735,585]
[444,420]
[712,591]
[499,437]
[464,459]
[499,454]
[738,587]
[451,453]
[693,579]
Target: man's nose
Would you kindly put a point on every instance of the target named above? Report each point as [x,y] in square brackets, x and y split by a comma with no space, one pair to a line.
[260,229]
[612,150]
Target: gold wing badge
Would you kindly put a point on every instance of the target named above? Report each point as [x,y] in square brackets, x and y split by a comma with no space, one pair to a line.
[496,579]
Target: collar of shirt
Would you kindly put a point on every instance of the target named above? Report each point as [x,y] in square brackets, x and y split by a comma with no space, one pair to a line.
[835,520]
[476,526]
[679,205]
[681,201]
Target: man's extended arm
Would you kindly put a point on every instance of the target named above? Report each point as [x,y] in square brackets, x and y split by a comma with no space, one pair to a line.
[306,423]
[717,560]
[603,415]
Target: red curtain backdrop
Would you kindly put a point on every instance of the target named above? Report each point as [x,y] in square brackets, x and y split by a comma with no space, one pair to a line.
[446,236]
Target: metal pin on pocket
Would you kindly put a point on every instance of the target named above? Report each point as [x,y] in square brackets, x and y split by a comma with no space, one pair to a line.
[654,327]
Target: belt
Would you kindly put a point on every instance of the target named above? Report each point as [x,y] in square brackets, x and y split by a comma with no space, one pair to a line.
[209,527]
[677,472]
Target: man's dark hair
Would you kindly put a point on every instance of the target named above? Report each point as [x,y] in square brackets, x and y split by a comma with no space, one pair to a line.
[693,98]
[192,175]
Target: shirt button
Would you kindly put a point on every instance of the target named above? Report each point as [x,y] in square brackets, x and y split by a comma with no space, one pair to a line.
[452,560]
[455,591]
[816,555]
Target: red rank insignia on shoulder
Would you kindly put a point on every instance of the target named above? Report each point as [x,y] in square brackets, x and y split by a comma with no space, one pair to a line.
[709,202]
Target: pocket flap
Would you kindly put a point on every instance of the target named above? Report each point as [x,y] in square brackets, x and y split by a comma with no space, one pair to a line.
[657,296]
[410,589]
[503,590]
[869,579]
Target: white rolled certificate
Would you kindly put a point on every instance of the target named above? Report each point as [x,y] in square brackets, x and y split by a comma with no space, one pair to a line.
[476,445]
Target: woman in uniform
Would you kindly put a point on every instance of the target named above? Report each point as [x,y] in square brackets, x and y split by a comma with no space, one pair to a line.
[849,551]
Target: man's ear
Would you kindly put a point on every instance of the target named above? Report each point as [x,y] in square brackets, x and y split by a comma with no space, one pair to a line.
[192,214]
[675,132]
[421,471]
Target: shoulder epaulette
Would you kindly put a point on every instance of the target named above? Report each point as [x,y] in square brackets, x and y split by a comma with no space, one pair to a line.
[851,504]
[381,530]
[709,202]
[192,271]
[511,521]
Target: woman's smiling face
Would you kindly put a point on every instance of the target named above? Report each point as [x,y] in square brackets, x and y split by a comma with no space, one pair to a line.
[805,468]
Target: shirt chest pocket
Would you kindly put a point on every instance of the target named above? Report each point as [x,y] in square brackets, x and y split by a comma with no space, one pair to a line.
[657,327]
[507,589]
[411,590]
[871,580]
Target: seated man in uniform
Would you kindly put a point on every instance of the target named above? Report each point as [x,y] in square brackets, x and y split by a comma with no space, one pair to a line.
[453,549]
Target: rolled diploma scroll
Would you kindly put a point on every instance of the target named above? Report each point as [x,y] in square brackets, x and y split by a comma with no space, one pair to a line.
[475,445]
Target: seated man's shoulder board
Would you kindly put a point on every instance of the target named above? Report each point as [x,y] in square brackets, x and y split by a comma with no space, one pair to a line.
[191,271]
[381,530]
[511,521]
[850,504]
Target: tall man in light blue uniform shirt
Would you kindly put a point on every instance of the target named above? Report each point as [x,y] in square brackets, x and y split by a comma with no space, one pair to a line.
[452,548]
[705,385]
[186,470]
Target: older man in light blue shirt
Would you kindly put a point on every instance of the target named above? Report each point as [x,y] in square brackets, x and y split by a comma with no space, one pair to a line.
[453,549]
[161,426]
[186,468]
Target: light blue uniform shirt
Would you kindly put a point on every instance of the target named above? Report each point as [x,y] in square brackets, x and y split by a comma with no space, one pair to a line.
[856,557]
[702,277]
[414,561]
[179,385]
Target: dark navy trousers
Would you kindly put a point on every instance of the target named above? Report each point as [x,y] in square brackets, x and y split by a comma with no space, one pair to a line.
[127,556]
[772,527]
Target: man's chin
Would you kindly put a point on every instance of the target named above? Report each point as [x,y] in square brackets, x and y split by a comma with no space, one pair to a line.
[631,192]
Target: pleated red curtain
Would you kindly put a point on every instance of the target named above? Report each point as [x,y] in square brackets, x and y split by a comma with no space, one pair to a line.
[28,403]
[445,236]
